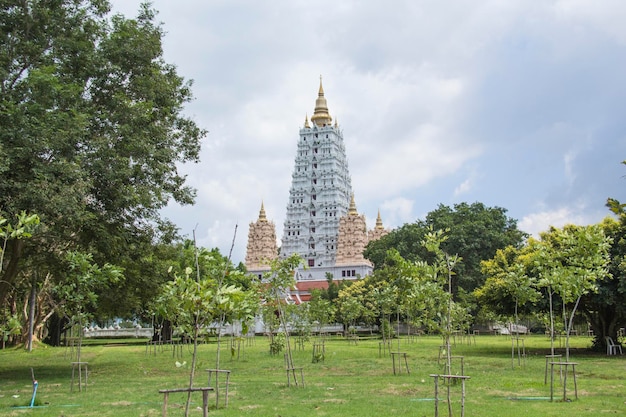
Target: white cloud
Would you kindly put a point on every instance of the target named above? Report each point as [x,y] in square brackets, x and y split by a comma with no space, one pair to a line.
[534,223]
[605,16]
[464,187]
[396,211]
[528,94]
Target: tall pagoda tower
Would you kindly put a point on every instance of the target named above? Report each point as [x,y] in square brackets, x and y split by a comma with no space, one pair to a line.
[322,224]
[320,191]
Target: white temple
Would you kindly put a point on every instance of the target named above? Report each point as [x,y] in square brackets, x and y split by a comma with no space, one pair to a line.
[322,224]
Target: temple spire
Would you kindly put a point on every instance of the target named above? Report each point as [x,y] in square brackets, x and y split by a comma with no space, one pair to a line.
[379,221]
[321,117]
[262,216]
[352,210]
[306,121]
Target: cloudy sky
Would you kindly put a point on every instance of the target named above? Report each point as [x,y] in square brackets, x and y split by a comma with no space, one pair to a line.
[513,103]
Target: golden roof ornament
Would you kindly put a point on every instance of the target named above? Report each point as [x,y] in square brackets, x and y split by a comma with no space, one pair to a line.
[321,117]
[352,211]
[262,216]
[379,221]
[306,121]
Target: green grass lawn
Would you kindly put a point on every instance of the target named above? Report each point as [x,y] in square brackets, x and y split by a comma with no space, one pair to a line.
[353,380]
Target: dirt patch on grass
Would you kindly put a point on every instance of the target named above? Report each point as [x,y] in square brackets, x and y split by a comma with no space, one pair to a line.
[119,403]
[401,390]
[250,407]
[335,400]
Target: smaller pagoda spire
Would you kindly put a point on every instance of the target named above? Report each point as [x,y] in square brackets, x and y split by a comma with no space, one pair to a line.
[306,121]
[379,222]
[262,216]
[352,211]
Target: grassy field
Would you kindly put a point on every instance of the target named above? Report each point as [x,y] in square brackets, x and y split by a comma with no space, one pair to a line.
[353,380]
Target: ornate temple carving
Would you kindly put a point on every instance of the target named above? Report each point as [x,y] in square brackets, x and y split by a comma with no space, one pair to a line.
[261,248]
[352,238]
[378,231]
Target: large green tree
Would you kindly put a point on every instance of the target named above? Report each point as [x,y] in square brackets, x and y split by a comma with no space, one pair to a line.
[92,133]
[475,232]
[571,266]
[606,309]
[508,287]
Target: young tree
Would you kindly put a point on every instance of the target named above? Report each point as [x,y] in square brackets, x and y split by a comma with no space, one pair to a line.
[78,290]
[351,308]
[278,282]
[573,259]
[394,284]
[441,272]
[356,303]
[507,281]
[439,275]
[321,310]
[384,298]
[198,297]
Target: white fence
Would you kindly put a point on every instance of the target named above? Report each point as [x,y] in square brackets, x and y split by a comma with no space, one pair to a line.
[117,332]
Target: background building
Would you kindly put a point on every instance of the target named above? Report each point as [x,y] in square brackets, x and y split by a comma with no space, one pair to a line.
[322,224]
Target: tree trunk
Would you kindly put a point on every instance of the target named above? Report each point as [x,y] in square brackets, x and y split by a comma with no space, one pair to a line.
[193,363]
[15,247]
[604,322]
[31,315]
[56,325]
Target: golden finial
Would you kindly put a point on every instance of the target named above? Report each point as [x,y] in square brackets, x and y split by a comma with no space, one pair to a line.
[321,117]
[306,121]
[262,216]
[379,222]
[336,125]
[352,211]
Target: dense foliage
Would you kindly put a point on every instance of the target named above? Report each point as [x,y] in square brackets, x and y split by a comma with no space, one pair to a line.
[92,132]
[475,232]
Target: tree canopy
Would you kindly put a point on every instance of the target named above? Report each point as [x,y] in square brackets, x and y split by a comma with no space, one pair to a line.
[475,232]
[92,134]
[569,265]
